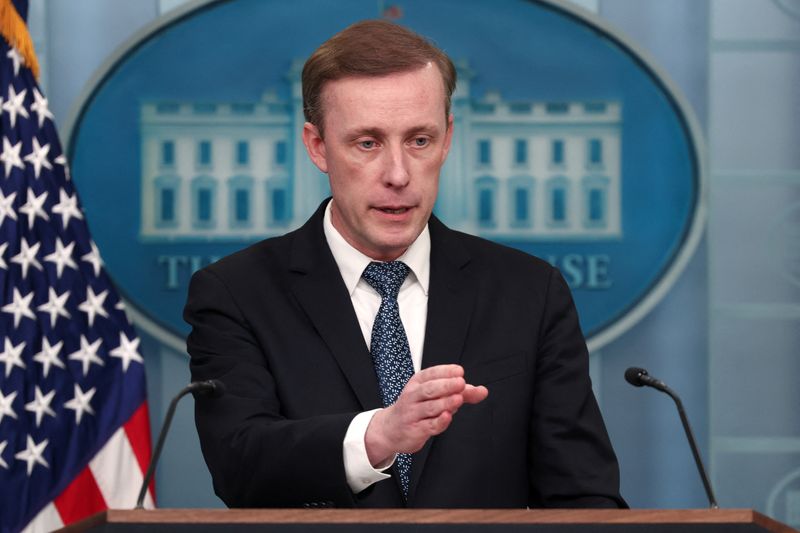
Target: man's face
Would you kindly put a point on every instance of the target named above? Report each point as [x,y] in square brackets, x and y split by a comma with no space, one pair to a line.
[386,138]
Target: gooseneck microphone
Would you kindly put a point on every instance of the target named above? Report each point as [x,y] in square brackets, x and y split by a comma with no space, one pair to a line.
[212,388]
[638,377]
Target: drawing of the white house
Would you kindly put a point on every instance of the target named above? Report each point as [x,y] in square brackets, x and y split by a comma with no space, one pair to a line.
[517,170]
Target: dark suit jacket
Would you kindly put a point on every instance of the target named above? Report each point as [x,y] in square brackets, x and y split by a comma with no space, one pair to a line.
[275,323]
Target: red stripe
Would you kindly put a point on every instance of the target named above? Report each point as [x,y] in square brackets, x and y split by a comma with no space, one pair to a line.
[80,499]
[137,429]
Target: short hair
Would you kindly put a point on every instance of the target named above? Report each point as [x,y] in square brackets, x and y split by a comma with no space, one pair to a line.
[370,48]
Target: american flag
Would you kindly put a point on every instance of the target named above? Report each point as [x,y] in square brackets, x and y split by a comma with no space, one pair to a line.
[74,429]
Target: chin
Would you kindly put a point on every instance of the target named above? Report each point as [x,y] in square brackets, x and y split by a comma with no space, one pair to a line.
[393,249]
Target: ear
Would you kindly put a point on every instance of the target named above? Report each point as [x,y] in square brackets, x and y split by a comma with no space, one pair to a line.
[448,138]
[315,146]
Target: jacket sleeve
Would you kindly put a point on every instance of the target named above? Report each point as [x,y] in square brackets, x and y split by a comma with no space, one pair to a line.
[572,461]
[257,457]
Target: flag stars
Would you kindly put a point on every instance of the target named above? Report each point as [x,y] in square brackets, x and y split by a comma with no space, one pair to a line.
[94,259]
[54,306]
[10,156]
[49,355]
[11,356]
[87,354]
[61,257]
[32,454]
[20,306]
[5,405]
[40,107]
[93,305]
[7,207]
[34,207]
[38,157]
[3,462]
[27,257]
[16,58]
[14,105]
[80,403]
[3,264]
[127,351]
[120,306]
[62,160]
[67,207]
[40,405]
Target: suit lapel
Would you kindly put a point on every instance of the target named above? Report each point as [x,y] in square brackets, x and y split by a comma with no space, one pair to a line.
[320,290]
[451,300]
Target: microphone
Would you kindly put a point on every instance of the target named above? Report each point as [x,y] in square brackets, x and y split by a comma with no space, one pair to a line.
[212,388]
[638,377]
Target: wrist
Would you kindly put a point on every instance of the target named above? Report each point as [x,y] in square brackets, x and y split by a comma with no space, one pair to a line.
[380,450]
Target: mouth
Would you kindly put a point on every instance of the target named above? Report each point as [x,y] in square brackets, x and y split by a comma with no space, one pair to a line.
[393,209]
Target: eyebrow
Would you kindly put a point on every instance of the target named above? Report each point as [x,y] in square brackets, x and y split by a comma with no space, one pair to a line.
[378,132]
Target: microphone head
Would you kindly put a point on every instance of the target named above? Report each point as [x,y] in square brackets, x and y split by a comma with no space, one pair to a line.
[212,388]
[216,388]
[634,376]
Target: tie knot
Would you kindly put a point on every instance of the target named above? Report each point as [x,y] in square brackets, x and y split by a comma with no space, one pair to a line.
[386,278]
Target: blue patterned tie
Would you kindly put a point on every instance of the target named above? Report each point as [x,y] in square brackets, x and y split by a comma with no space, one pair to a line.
[389,347]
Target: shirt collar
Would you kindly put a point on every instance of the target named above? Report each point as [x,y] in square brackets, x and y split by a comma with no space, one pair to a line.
[352,263]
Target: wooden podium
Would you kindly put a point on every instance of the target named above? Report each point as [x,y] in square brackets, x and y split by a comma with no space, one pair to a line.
[429,520]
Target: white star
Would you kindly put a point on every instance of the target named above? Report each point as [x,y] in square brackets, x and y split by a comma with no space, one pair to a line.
[62,160]
[15,104]
[3,463]
[127,351]
[11,356]
[49,355]
[40,107]
[2,253]
[34,207]
[38,157]
[27,256]
[41,405]
[93,257]
[54,306]
[93,305]
[6,207]
[80,403]
[10,156]
[16,58]
[19,307]
[120,306]
[33,454]
[5,405]
[87,354]
[62,256]
[67,207]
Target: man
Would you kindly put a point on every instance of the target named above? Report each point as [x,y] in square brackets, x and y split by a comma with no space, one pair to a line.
[374,357]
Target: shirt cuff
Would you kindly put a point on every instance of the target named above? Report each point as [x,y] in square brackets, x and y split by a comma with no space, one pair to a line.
[357,468]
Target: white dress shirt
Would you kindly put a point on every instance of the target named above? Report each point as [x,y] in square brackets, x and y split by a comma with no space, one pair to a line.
[413,302]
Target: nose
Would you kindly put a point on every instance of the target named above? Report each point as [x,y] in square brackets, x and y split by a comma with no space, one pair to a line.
[396,173]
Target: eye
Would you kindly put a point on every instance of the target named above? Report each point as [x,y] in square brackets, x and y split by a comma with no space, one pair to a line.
[421,141]
[367,145]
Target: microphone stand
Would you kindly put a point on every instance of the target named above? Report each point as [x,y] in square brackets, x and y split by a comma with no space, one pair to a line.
[211,387]
[695,452]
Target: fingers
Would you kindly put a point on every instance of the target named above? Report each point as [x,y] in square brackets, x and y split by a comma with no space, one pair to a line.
[435,388]
[440,371]
[443,380]
[440,423]
[440,382]
[433,408]
[473,394]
